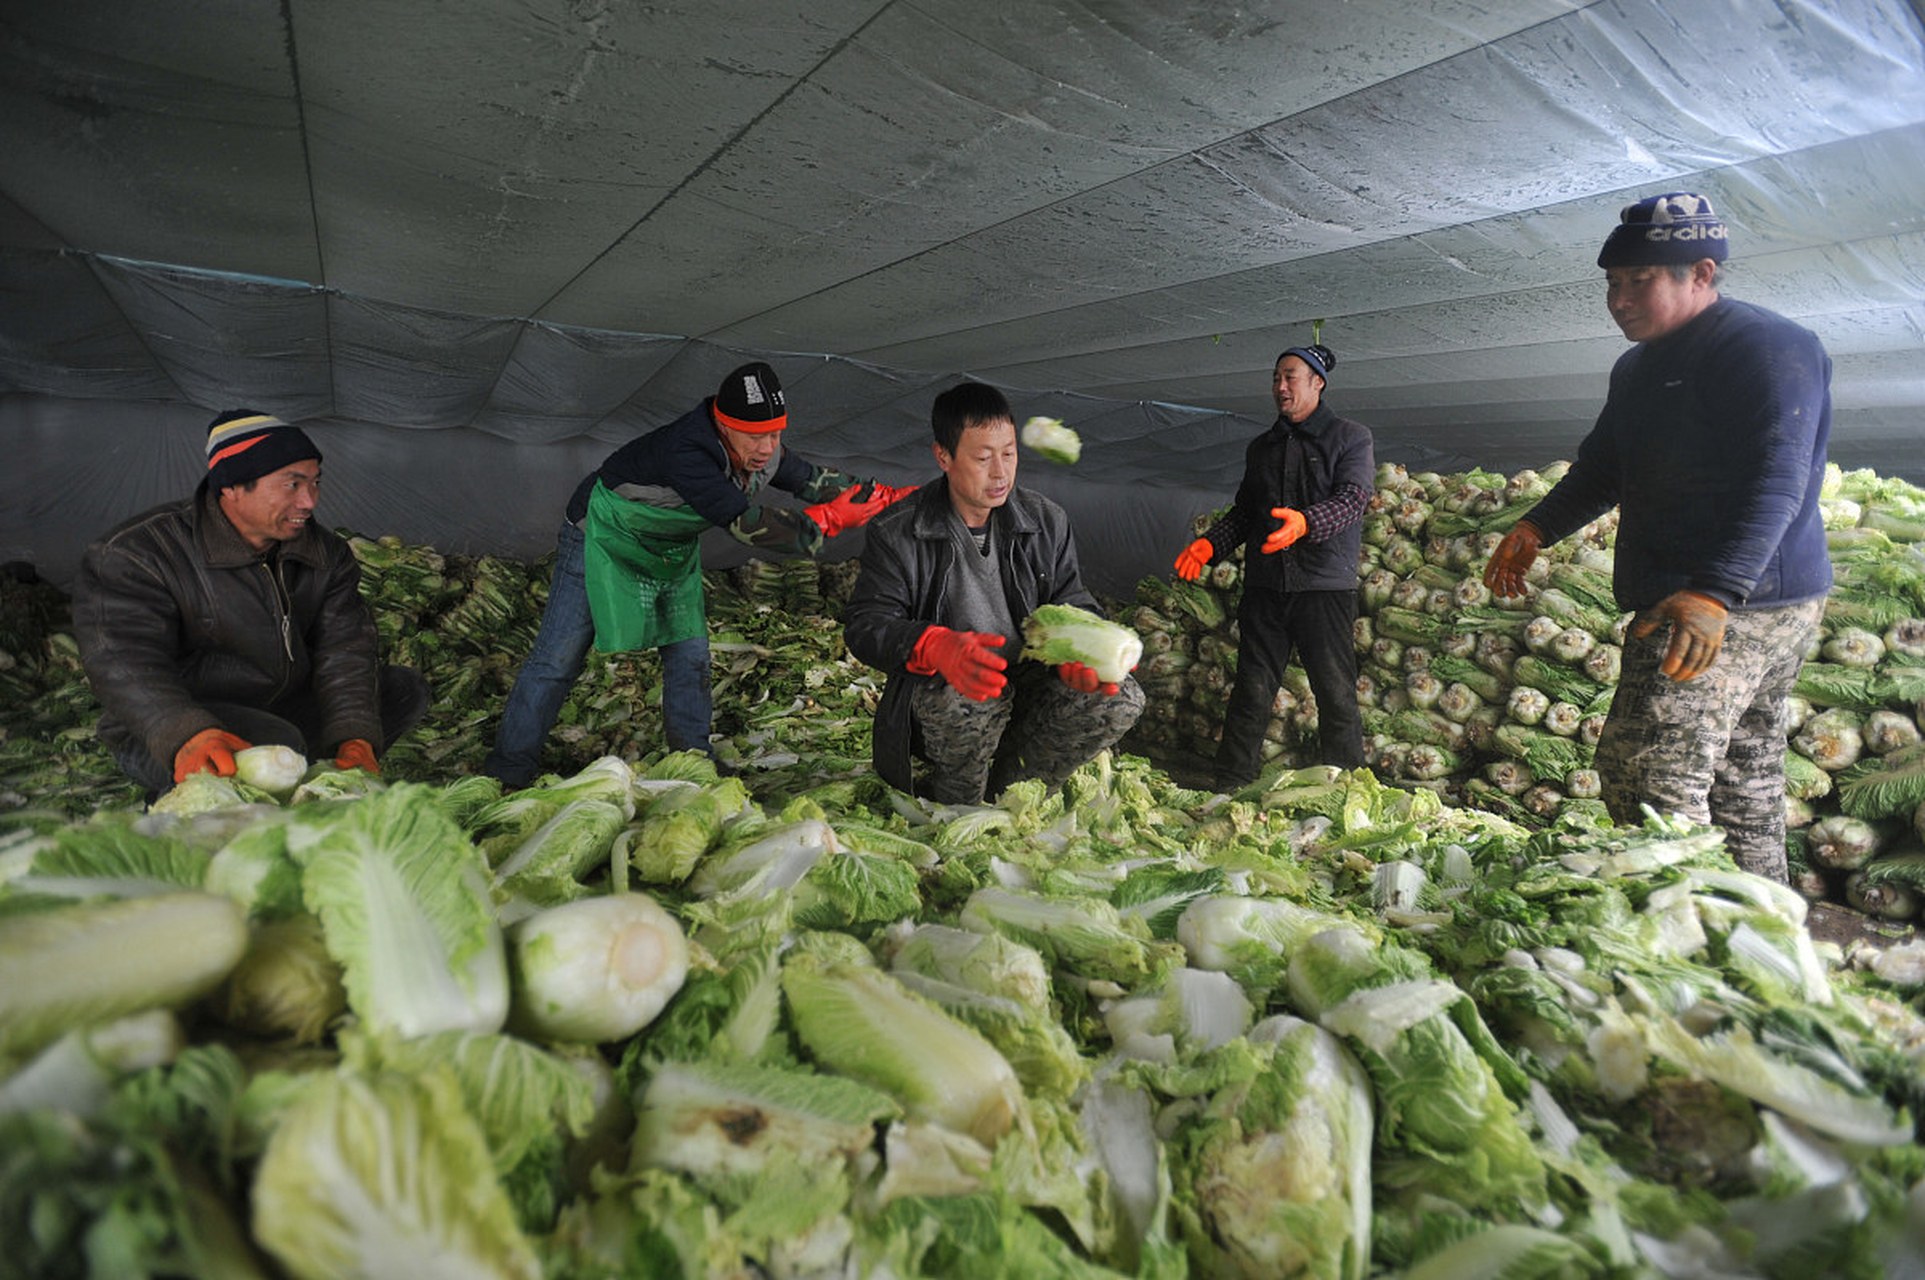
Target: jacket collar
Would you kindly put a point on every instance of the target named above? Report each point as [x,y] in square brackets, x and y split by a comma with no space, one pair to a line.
[224,546]
[932,512]
[1315,425]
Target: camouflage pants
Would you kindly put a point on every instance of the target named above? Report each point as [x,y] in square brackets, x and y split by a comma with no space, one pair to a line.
[1039,728]
[1713,748]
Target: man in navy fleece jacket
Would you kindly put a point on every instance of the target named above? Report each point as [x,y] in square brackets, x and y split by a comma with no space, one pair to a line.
[1712,446]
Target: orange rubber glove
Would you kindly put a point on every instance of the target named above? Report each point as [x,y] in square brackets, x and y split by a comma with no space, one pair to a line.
[966,659]
[1291,526]
[1083,678]
[1697,631]
[1190,561]
[356,753]
[851,509]
[209,751]
[1504,575]
[894,493]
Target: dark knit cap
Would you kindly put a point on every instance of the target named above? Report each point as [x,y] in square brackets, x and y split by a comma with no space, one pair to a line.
[246,444]
[750,399]
[1320,358]
[1674,229]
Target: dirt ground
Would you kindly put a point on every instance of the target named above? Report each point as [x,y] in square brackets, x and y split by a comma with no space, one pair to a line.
[1832,922]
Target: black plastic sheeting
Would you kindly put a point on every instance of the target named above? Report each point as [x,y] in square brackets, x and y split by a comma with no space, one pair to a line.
[478,246]
[468,492]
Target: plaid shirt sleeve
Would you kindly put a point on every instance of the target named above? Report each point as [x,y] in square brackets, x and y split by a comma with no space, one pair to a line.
[1340,510]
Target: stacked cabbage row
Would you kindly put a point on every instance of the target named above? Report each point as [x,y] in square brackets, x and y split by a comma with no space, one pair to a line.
[48,753]
[468,622]
[1492,702]
[1855,777]
[1498,703]
[634,1021]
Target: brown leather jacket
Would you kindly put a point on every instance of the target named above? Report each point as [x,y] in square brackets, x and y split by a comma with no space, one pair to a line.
[173,610]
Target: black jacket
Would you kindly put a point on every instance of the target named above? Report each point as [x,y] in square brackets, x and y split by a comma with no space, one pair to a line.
[173,610]
[907,559]
[1299,466]
[683,464]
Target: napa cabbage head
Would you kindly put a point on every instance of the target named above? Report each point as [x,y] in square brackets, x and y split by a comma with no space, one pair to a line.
[286,985]
[711,1118]
[1059,633]
[1187,1011]
[403,899]
[1049,437]
[276,770]
[1083,934]
[107,856]
[987,963]
[1273,1176]
[255,869]
[1039,1048]
[547,868]
[859,1021]
[595,970]
[1249,938]
[502,824]
[386,1172]
[682,825]
[530,1103]
[856,890]
[86,962]
[1444,1122]
[202,792]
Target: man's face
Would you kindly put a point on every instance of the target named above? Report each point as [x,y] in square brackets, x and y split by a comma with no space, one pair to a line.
[277,507]
[748,450]
[982,470]
[1649,302]
[1296,388]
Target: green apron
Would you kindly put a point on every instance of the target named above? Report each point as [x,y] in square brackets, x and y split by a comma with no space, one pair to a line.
[643,569]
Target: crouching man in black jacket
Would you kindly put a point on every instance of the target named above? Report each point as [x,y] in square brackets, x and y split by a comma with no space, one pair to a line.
[230,619]
[946,582]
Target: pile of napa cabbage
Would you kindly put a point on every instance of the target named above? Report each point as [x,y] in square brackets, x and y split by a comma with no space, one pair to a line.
[635,1021]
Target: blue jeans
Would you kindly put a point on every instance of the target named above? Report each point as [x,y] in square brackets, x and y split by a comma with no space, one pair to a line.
[555,662]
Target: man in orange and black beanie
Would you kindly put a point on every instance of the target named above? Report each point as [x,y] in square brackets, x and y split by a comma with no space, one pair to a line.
[628,564]
[230,619]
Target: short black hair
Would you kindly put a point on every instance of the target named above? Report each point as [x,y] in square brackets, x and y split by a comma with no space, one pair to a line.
[965,405]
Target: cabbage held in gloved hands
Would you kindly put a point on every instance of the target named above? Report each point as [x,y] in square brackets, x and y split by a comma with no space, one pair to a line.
[1059,633]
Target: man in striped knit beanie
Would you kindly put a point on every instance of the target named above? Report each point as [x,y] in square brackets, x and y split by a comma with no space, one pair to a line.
[232,619]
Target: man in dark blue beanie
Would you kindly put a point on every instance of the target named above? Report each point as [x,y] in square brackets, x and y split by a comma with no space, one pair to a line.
[1712,446]
[1298,515]
[230,619]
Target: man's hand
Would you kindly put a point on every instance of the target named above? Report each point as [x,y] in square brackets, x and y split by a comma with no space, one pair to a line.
[1291,526]
[1083,678]
[209,751]
[851,509]
[356,753]
[1191,560]
[966,659]
[1697,631]
[1504,575]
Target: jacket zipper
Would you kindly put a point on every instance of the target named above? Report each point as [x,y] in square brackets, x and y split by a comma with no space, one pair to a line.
[285,607]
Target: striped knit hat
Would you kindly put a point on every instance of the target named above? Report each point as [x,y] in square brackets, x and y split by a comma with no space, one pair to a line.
[246,444]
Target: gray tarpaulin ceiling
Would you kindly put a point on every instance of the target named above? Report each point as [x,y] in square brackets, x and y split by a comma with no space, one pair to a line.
[484,241]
